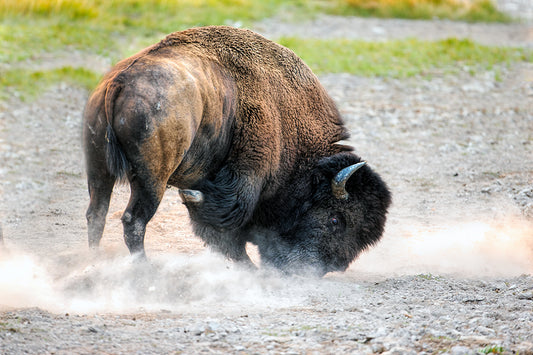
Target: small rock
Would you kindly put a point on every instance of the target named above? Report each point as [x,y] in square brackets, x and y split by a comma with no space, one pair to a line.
[526,296]
[459,350]
[474,299]
[378,348]
[484,330]
[197,330]
[93,329]
[214,326]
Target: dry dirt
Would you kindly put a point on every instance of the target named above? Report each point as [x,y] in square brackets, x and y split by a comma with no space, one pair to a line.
[452,274]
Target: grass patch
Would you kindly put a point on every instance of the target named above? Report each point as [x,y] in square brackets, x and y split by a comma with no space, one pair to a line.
[161,13]
[147,15]
[29,84]
[470,10]
[24,40]
[117,29]
[30,27]
[492,349]
[396,59]
[429,276]
[401,58]
[96,25]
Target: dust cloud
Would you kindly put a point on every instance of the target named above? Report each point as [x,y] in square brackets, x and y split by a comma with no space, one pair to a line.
[474,249]
[79,283]
[84,282]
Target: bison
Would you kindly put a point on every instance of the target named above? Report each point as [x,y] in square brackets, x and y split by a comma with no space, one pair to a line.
[250,137]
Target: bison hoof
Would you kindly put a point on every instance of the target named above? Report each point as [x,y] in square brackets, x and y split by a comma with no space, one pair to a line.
[191,196]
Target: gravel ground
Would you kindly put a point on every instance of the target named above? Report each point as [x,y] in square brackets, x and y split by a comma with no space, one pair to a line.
[374,29]
[453,273]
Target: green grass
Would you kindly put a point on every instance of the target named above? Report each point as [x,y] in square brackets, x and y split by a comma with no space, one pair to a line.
[30,27]
[29,84]
[117,29]
[401,58]
[150,13]
[393,59]
[23,40]
[471,11]
[495,349]
[429,276]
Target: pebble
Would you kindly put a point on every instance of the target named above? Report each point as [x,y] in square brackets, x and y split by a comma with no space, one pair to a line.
[526,296]
[460,350]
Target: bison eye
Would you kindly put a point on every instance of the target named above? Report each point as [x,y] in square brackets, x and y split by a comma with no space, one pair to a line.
[336,223]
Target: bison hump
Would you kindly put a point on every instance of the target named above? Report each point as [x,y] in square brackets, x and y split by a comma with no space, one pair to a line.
[240,50]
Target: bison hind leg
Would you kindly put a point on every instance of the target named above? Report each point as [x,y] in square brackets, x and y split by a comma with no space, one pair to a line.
[146,194]
[100,189]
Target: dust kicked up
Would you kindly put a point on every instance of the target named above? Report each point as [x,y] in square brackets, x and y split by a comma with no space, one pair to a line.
[111,281]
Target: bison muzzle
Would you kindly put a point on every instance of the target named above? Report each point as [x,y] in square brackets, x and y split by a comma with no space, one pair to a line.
[247,133]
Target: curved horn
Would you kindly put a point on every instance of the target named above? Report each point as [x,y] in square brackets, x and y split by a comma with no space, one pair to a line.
[338,183]
[191,196]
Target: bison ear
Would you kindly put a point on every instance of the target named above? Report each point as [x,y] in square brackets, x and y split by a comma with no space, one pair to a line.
[338,183]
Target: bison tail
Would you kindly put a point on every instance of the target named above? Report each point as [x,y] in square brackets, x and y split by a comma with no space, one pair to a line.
[117,164]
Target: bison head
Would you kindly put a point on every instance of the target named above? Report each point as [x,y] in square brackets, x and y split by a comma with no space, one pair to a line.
[340,211]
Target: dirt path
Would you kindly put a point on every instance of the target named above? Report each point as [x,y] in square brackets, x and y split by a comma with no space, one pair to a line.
[453,272]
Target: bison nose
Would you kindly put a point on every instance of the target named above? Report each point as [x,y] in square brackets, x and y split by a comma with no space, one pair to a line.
[191,196]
